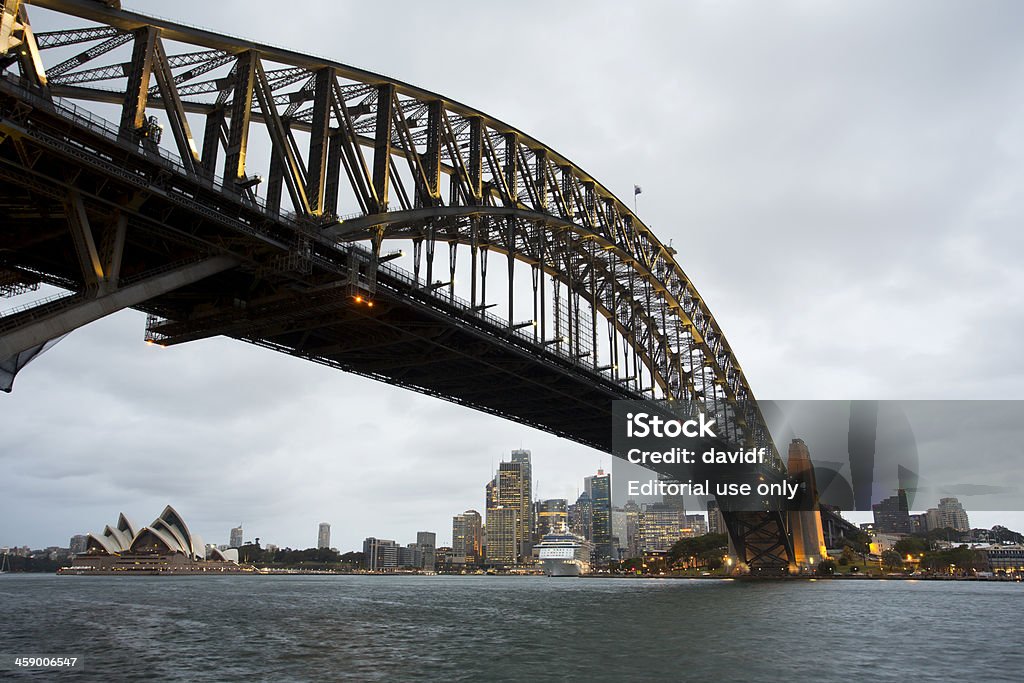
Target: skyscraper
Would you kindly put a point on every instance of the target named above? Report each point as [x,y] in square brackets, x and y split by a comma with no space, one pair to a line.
[600,488]
[323,537]
[522,456]
[235,540]
[467,538]
[512,494]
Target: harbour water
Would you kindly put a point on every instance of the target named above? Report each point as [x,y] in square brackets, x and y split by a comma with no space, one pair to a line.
[369,628]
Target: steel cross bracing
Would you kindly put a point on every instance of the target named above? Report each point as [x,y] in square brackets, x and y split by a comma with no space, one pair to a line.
[356,159]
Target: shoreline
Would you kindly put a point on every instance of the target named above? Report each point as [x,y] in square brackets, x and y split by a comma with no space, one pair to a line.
[742,577]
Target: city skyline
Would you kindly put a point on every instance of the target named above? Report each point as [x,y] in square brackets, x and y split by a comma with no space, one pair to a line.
[220,428]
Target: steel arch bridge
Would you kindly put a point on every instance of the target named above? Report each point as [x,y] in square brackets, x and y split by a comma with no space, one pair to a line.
[120,205]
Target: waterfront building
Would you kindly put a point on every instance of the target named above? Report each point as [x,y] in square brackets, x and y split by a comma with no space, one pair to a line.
[410,556]
[1005,559]
[892,514]
[599,486]
[165,546]
[952,515]
[502,525]
[379,554]
[552,515]
[323,537]
[467,538]
[236,537]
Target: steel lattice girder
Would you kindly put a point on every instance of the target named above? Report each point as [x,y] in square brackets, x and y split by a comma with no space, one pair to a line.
[509,192]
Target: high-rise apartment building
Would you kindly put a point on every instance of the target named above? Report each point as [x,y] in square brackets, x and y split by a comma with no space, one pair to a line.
[323,536]
[235,539]
[952,515]
[892,515]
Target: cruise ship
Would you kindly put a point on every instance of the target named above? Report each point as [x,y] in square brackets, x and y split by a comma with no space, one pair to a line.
[564,554]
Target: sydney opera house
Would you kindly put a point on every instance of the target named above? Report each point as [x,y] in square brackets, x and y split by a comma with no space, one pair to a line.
[166,546]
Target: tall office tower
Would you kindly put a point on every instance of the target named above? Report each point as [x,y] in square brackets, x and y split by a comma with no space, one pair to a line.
[379,554]
[426,541]
[522,456]
[716,522]
[552,516]
[512,494]
[467,538]
[235,540]
[600,486]
[892,514]
[581,516]
[952,515]
[502,526]
[323,537]
[632,511]
[933,519]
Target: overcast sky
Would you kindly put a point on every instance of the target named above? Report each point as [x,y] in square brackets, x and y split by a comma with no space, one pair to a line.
[841,181]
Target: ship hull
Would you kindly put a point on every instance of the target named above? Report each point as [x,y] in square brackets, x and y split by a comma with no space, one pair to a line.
[561,568]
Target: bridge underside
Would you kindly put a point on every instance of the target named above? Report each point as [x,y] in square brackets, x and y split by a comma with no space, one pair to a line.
[113,220]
